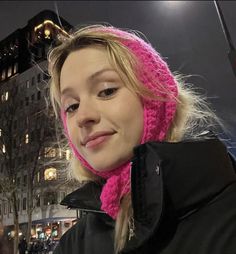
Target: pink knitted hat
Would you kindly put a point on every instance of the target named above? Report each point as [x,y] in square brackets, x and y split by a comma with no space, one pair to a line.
[158,114]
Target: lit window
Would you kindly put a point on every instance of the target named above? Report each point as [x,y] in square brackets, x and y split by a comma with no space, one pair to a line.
[38,177]
[49,152]
[27,138]
[3,74]
[9,72]
[27,84]
[60,152]
[0,132]
[50,174]
[47,33]
[3,149]
[4,96]
[15,69]
[68,154]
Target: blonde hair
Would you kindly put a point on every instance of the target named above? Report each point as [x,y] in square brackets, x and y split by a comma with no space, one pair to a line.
[192,115]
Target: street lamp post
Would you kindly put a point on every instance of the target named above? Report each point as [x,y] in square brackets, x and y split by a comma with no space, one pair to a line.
[232,51]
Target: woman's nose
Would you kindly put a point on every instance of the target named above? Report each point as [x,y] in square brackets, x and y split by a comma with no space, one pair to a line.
[87,114]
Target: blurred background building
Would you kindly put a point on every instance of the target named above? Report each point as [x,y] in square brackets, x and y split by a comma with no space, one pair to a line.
[32,181]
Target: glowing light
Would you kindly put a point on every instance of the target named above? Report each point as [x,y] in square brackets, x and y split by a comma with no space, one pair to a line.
[3,149]
[49,22]
[47,32]
[50,174]
[67,154]
[27,138]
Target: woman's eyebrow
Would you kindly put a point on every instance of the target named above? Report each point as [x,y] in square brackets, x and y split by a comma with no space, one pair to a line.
[95,75]
[91,78]
[67,90]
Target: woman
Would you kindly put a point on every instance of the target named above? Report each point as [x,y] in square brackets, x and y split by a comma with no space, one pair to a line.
[154,184]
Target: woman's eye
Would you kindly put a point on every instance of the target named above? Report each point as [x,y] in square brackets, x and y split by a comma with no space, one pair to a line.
[107,92]
[72,108]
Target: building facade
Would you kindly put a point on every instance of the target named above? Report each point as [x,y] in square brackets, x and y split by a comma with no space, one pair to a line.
[29,154]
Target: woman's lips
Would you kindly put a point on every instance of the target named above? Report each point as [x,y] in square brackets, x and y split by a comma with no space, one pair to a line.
[97,141]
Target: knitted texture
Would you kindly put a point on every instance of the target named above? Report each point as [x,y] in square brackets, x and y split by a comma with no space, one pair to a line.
[158,114]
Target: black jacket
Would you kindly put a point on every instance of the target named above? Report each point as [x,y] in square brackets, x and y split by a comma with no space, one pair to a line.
[184,201]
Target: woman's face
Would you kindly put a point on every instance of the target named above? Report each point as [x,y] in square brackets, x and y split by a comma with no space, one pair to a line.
[104,118]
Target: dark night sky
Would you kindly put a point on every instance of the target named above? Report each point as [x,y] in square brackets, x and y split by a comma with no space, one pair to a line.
[187,33]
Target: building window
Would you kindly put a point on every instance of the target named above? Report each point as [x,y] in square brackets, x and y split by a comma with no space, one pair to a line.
[50,198]
[0,132]
[18,204]
[3,148]
[38,177]
[10,207]
[47,33]
[68,154]
[26,101]
[15,69]
[27,84]
[3,74]
[24,204]
[9,72]
[39,77]
[4,96]
[39,95]
[63,194]
[60,153]
[5,208]
[27,138]
[50,174]
[38,200]
[32,97]
[18,181]
[32,136]
[49,152]
[25,180]
[33,81]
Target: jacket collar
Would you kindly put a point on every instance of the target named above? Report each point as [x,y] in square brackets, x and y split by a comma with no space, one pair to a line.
[85,198]
[172,180]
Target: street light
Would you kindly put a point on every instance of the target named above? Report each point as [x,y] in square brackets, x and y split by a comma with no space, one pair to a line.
[232,51]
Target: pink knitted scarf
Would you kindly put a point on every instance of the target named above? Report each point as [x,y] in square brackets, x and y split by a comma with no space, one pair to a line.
[158,115]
